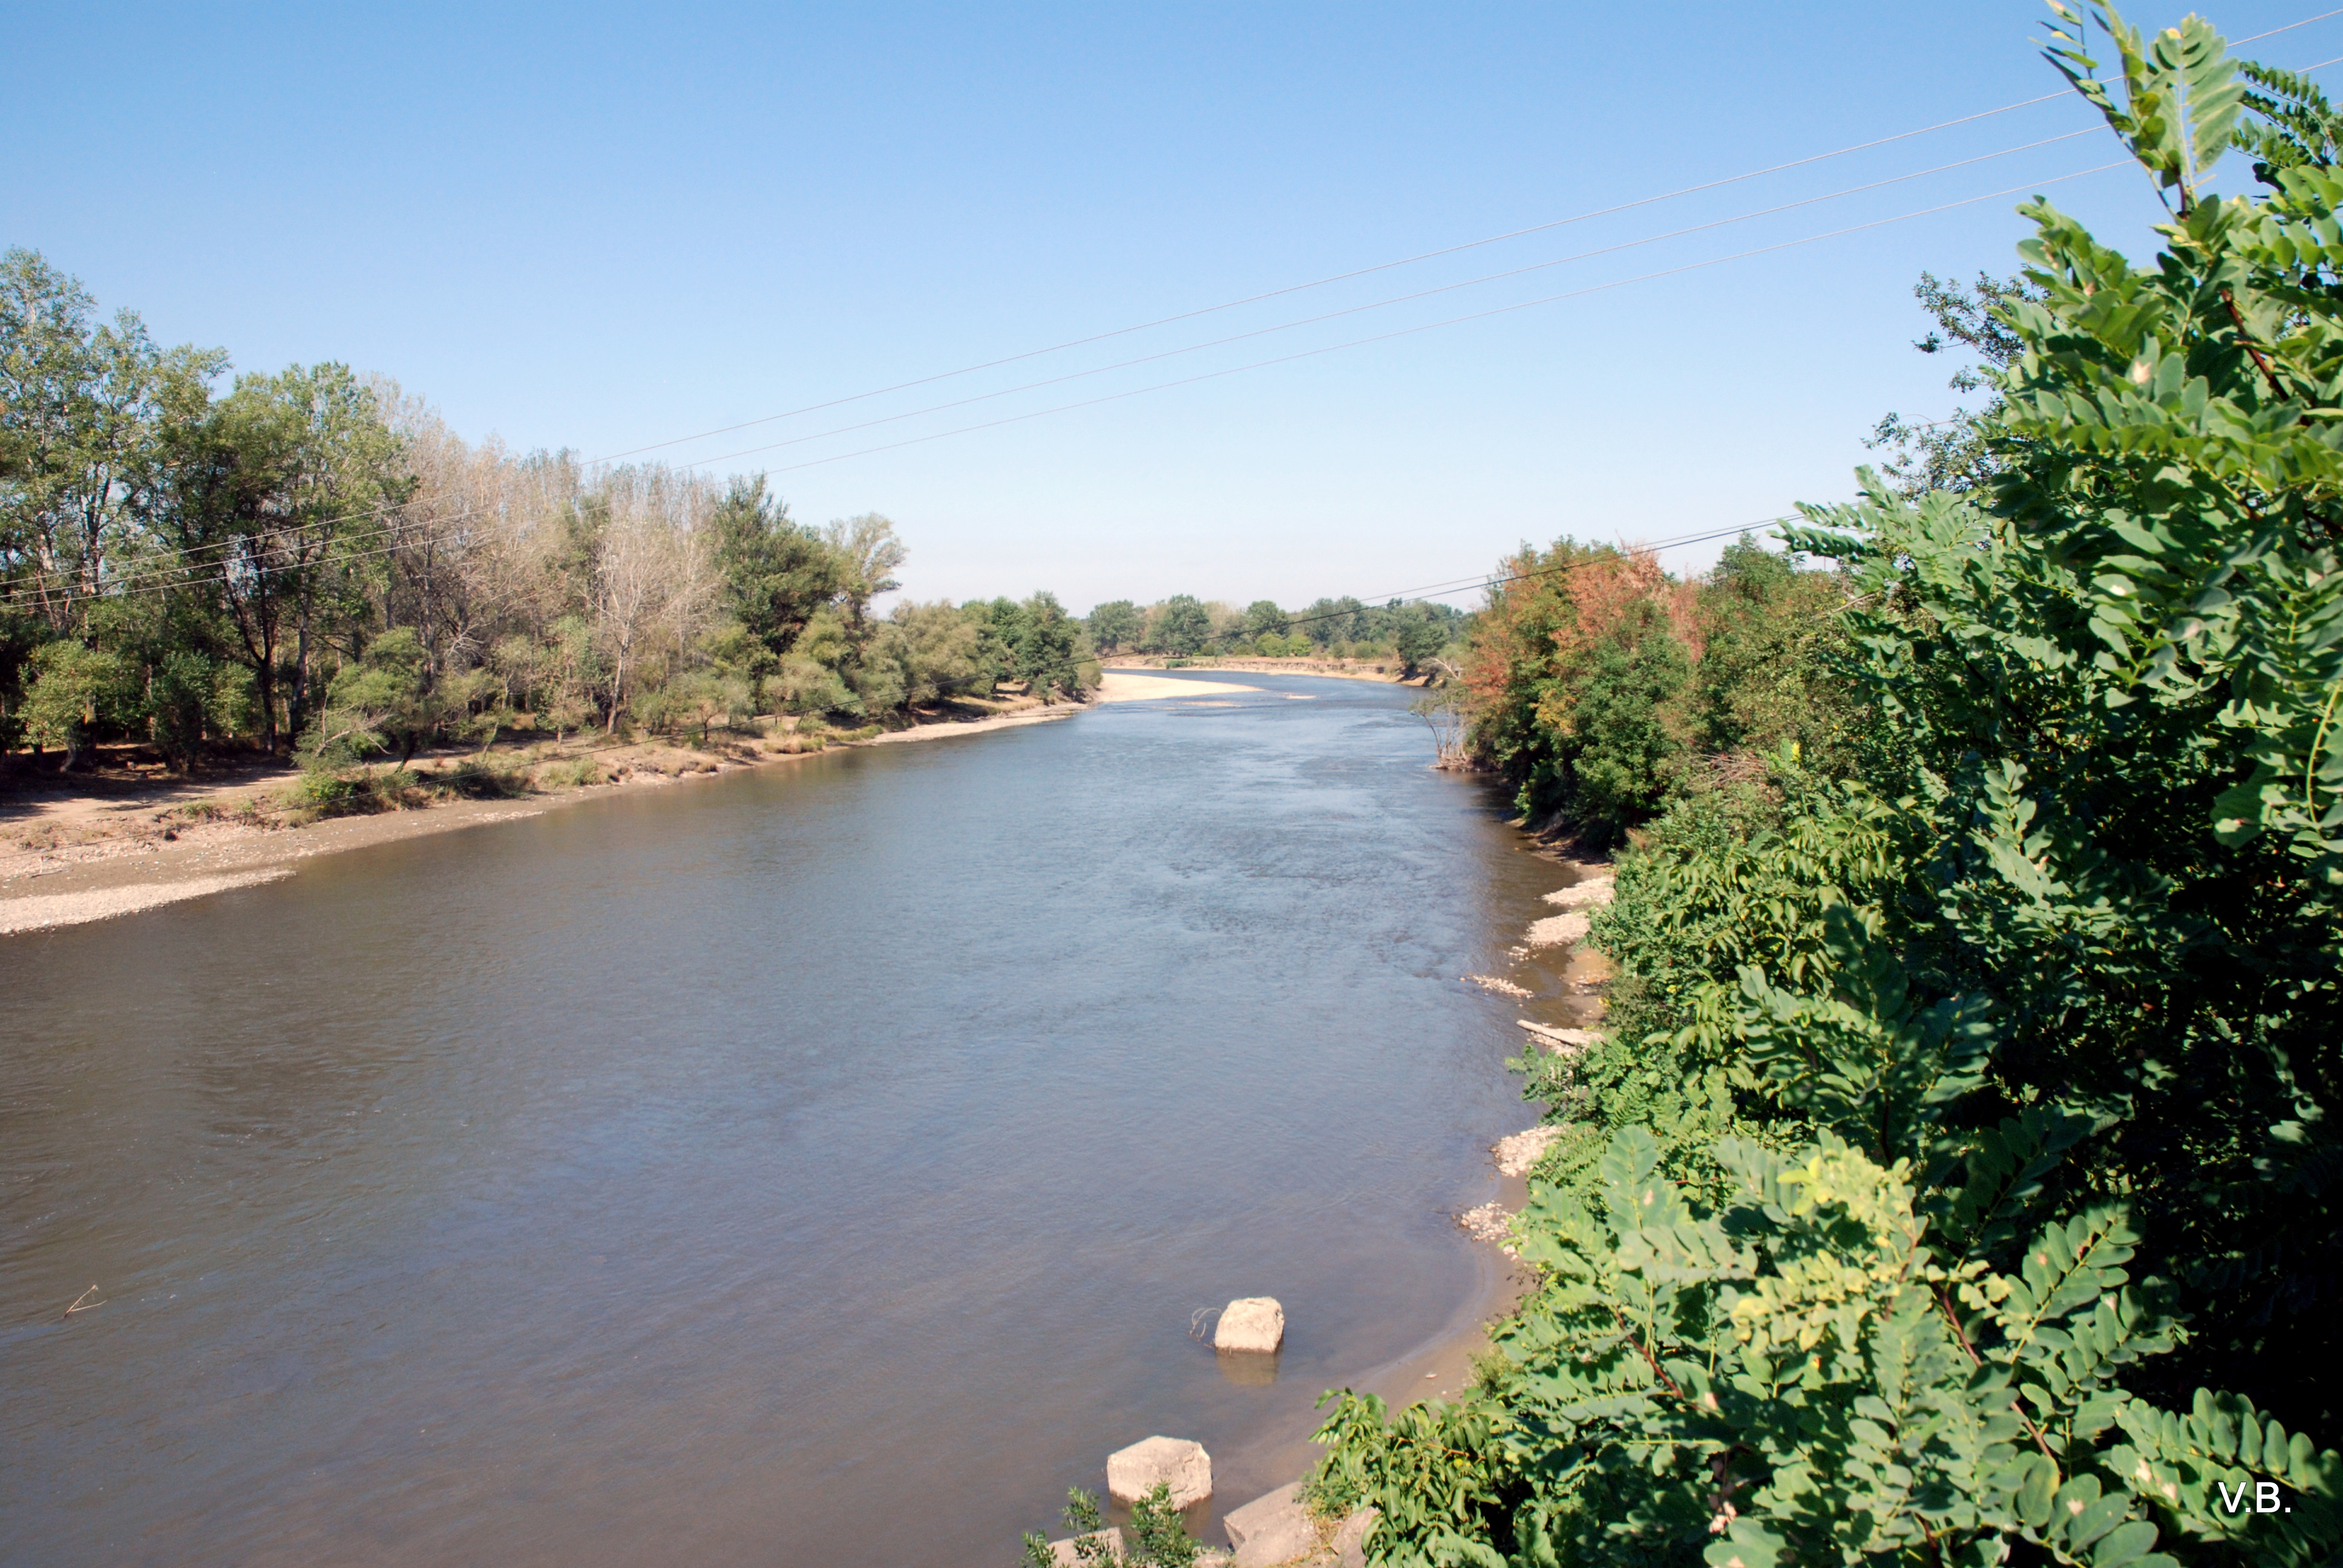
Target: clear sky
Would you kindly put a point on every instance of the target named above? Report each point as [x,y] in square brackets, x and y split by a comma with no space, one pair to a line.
[602,227]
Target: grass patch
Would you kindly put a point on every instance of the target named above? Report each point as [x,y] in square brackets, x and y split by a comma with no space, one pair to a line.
[574,774]
[473,780]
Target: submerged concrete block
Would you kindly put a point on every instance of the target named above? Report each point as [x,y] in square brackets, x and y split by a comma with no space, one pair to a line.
[1272,1529]
[1251,1323]
[1132,1473]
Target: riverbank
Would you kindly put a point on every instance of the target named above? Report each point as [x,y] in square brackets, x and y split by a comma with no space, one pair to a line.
[131,840]
[1551,972]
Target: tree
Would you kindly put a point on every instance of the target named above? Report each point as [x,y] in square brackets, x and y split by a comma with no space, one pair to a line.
[382,702]
[652,572]
[1264,618]
[1182,627]
[1049,647]
[83,409]
[776,572]
[282,493]
[869,554]
[1418,636]
[1328,621]
[1115,625]
[72,687]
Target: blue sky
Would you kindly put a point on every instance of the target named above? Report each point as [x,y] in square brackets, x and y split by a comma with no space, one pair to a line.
[601,228]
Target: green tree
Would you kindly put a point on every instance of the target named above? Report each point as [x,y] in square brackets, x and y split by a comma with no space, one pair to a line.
[1329,621]
[1626,747]
[73,688]
[84,409]
[1049,648]
[1116,625]
[385,700]
[284,490]
[776,573]
[1264,618]
[1181,628]
[1418,638]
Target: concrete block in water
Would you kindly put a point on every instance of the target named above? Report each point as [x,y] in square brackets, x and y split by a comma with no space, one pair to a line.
[1251,1323]
[1067,1553]
[1272,1529]
[1351,1541]
[1132,1473]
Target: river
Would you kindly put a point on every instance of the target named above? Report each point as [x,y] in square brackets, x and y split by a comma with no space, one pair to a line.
[819,1163]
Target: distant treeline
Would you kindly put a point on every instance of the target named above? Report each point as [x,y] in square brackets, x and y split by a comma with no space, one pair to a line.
[1414,632]
[312,560]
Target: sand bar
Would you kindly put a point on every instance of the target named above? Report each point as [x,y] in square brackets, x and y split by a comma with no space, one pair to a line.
[44,912]
[135,868]
[1124,686]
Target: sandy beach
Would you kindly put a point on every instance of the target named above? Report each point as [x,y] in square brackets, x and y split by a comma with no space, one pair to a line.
[1133,686]
[115,854]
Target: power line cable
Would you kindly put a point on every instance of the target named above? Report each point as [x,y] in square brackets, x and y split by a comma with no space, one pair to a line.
[206,574]
[1408,298]
[1404,261]
[148,567]
[1405,331]
[147,571]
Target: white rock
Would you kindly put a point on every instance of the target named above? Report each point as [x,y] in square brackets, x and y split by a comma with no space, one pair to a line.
[1490,1222]
[1502,987]
[1563,1042]
[1351,1541]
[1591,894]
[1132,1473]
[1067,1555]
[1272,1529]
[1517,1153]
[1558,931]
[1251,1323]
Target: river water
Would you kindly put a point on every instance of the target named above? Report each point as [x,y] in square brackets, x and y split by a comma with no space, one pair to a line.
[819,1163]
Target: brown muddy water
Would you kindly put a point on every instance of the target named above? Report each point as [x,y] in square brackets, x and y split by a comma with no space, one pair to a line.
[818,1164]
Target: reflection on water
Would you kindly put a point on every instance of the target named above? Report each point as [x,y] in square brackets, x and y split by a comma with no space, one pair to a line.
[816,1164]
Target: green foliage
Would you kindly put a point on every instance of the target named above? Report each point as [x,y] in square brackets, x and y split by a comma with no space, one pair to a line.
[1598,684]
[1155,1537]
[184,705]
[1179,625]
[1969,1111]
[383,701]
[776,572]
[1115,625]
[314,554]
[2297,127]
[1418,636]
[71,689]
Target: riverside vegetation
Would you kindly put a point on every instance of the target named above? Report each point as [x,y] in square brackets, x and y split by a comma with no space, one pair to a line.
[312,563]
[1418,634]
[1958,1182]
